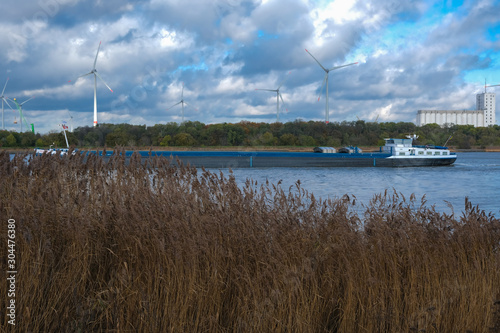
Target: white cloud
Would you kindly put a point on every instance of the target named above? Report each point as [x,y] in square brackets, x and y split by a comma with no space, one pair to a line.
[245,110]
[224,49]
[231,84]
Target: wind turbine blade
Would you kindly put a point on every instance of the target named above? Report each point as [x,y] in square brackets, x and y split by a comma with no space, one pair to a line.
[95,61]
[7,102]
[268,90]
[322,85]
[29,99]
[182,91]
[81,76]
[286,77]
[494,85]
[70,121]
[89,73]
[103,81]
[194,107]
[337,67]
[173,106]
[5,86]
[317,61]
[283,102]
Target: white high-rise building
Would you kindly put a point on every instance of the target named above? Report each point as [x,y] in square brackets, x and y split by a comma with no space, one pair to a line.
[483,116]
[486,102]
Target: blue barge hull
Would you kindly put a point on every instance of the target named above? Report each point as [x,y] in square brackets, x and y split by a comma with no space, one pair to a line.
[246,159]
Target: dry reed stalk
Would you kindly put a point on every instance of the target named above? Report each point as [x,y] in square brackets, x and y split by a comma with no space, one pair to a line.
[133,245]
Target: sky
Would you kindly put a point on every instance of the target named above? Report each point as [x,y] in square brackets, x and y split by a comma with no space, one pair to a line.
[411,55]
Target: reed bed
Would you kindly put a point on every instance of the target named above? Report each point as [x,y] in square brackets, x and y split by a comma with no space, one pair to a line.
[128,246]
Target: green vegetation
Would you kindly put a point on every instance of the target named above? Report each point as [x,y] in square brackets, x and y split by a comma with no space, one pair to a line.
[116,247]
[297,133]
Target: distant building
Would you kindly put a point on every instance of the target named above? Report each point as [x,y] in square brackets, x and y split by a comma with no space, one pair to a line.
[486,102]
[483,116]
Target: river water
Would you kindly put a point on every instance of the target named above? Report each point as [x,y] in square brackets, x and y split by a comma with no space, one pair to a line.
[475,175]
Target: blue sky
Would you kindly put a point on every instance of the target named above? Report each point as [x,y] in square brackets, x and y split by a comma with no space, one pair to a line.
[412,55]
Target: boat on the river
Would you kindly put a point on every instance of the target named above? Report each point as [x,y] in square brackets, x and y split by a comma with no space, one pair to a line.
[395,153]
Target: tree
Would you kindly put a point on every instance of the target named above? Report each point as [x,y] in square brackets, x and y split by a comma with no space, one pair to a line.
[91,139]
[216,135]
[235,135]
[165,141]
[145,140]
[40,143]
[288,140]
[10,140]
[306,140]
[118,138]
[184,139]
[267,139]
[28,139]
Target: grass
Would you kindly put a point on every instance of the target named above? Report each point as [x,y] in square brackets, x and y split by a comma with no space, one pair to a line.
[128,247]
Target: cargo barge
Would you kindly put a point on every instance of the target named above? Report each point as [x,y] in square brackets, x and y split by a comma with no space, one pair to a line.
[395,153]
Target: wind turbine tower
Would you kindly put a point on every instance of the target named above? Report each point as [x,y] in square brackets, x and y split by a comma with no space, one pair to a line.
[278,96]
[327,71]
[70,121]
[4,99]
[181,102]
[96,75]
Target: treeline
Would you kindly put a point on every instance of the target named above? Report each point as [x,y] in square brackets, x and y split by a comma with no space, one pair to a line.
[245,133]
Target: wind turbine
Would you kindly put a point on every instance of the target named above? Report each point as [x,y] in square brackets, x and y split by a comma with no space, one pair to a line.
[96,75]
[21,116]
[327,110]
[278,96]
[493,85]
[4,99]
[70,121]
[182,102]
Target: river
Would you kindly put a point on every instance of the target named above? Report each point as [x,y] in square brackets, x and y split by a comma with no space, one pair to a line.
[475,175]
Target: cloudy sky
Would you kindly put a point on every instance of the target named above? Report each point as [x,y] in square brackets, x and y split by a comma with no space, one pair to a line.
[411,55]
